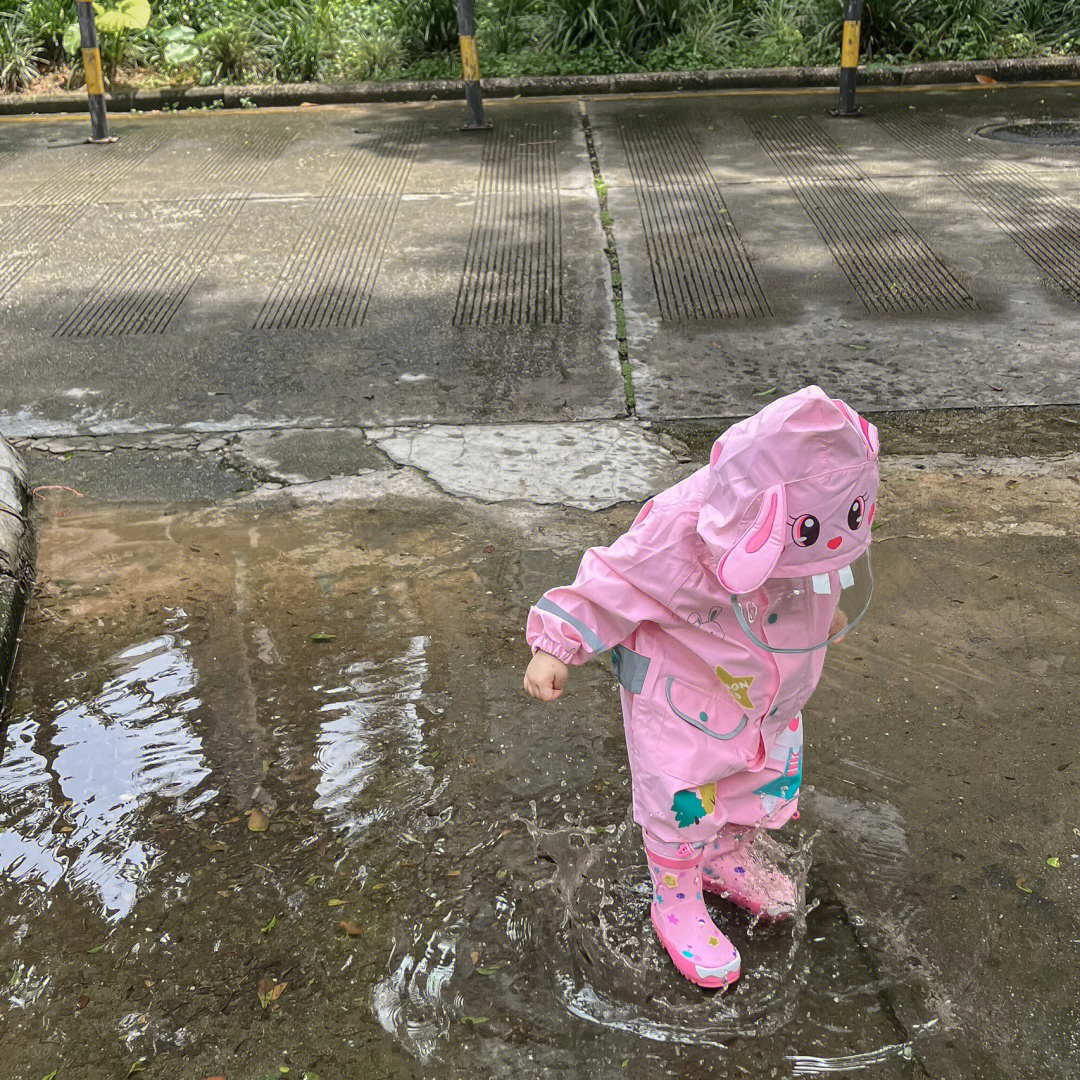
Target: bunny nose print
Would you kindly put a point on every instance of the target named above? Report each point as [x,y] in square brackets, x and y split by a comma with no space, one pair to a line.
[835,542]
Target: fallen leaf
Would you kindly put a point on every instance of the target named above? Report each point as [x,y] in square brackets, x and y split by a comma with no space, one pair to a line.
[225,893]
[270,925]
[453,873]
[986,80]
[948,509]
[491,968]
[136,1067]
[765,393]
[997,388]
[322,635]
[314,879]
[1053,862]
[1022,885]
[95,949]
[51,1076]
[474,1019]
[501,875]
[353,929]
[335,902]
[474,956]
[858,348]
[258,821]
[84,1000]
[269,990]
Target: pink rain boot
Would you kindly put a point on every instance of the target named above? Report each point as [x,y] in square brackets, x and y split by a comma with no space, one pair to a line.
[737,869]
[697,948]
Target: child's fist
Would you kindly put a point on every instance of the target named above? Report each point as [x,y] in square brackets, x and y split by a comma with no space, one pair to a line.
[839,621]
[545,677]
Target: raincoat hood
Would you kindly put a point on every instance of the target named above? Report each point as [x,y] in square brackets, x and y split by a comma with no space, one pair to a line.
[791,491]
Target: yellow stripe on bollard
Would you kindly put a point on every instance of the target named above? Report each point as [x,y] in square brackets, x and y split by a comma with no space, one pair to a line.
[95,82]
[849,50]
[470,62]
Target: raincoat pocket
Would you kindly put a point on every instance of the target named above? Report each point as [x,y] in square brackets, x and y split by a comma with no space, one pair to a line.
[701,736]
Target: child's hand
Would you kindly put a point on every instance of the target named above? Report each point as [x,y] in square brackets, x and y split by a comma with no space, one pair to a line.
[545,677]
[839,621]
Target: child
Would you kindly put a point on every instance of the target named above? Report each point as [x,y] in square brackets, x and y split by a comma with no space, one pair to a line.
[718,602]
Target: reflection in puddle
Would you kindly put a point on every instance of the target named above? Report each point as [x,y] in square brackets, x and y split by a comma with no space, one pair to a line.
[375,733]
[72,808]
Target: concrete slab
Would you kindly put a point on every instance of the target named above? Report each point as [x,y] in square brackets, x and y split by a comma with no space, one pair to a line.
[763,244]
[590,465]
[264,268]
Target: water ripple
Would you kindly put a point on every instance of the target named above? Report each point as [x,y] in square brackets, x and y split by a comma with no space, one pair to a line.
[73,808]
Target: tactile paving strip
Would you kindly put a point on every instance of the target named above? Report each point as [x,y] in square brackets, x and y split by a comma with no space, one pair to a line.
[143,291]
[44,215]
[1042,224]
[890,267]
[700,269]
[513,262]
[330,275]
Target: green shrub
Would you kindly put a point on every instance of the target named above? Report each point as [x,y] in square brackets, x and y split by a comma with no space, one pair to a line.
[424,27]
[19,56]
[305,40]
[46,21]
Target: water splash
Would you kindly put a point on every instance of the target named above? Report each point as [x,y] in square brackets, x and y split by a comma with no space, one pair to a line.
[413,1002]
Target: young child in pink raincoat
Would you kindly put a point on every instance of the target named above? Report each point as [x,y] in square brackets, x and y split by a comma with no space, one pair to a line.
[718,603]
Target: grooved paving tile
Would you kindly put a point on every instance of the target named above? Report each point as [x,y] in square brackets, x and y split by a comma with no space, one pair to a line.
[513,272]
[330,275]
[1041,223]
[117,306]
[142,292]
[890,267]
[700,269]
[45,214]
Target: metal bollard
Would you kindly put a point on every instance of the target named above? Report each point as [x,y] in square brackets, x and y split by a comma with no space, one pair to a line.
[849,59]
[470,66]
[95,81]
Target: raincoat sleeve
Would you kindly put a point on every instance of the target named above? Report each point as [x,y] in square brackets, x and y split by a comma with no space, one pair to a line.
[616,589]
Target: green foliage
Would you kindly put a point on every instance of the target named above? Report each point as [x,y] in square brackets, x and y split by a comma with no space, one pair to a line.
[46,21]
[628,28]
[19,56]
[306,38]
[424,27]
[292,40]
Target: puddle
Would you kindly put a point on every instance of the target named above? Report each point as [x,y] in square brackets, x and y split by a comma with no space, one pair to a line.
[448,884]
[75,784]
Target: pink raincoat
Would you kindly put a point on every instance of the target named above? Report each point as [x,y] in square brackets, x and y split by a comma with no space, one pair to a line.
[713,724]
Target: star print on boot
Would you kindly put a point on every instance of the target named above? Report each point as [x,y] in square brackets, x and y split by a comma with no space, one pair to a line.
[736,868]
[697,948]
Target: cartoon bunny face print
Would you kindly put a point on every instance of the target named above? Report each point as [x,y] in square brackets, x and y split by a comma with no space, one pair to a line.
[827,521]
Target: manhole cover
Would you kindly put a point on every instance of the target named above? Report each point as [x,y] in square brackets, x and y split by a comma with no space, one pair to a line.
[1046,132]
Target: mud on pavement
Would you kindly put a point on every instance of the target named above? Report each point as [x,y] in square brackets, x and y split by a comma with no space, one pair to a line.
[272,798]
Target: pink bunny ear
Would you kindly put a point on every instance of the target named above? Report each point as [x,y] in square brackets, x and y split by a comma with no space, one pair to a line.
[714,454]
[746,566]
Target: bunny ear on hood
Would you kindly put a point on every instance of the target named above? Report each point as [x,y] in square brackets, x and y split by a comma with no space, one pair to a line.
[750,562]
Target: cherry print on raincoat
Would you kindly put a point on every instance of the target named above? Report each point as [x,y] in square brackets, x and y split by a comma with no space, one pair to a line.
[718,603]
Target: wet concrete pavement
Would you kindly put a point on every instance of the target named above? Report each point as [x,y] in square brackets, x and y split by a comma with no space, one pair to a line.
[373,265]
[446,884]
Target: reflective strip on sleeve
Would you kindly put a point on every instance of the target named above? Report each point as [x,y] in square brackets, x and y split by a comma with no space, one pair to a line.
[589,636]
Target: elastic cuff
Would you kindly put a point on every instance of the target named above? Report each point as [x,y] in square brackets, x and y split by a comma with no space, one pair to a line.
[553,648]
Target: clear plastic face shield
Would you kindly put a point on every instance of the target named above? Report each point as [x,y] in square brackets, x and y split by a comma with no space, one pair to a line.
[801,614]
